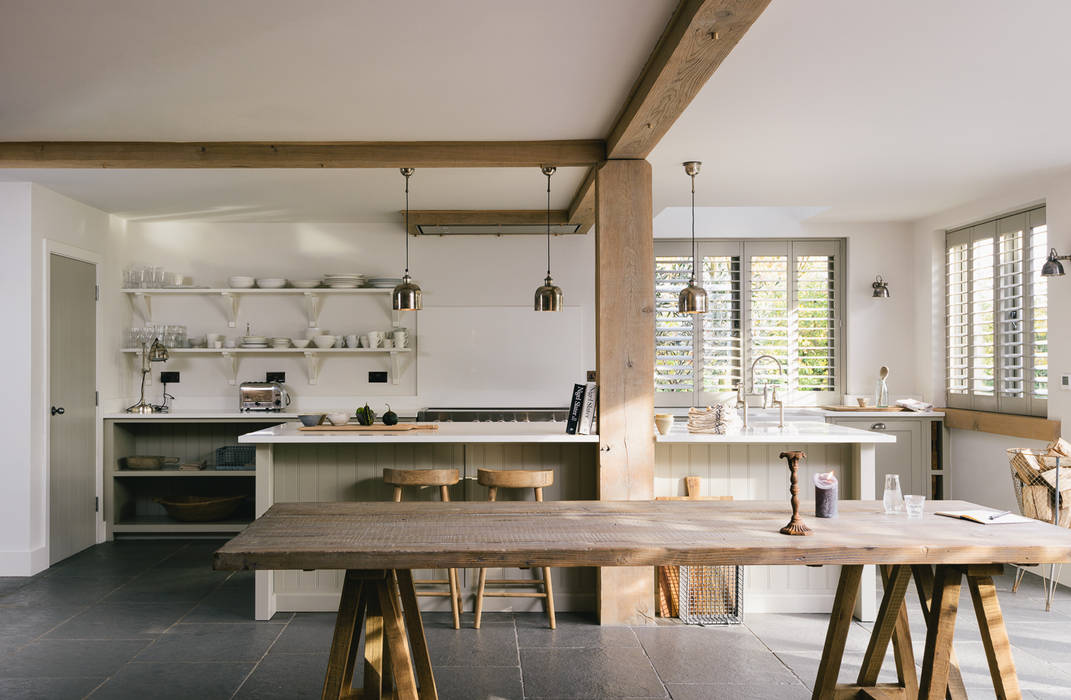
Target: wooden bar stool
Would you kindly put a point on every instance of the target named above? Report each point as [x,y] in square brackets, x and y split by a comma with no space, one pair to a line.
[494,480]
[444,479]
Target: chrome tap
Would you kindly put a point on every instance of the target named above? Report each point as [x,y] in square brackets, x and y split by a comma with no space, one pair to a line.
[766,386]
[741,400]
[781,408]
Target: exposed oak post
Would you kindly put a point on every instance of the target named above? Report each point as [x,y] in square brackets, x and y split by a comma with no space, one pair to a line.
[624,321]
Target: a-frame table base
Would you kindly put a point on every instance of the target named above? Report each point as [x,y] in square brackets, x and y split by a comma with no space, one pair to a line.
[939,594]
[396,663]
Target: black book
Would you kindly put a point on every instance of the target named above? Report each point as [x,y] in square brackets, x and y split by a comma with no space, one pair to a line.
[576,404]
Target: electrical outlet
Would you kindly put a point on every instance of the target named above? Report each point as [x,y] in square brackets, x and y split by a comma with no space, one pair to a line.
[592,375]
[1065,382]
[377,377]
[276,377]
[169,377]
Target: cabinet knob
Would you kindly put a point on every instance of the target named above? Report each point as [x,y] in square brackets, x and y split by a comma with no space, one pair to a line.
[58,411]
[878,426]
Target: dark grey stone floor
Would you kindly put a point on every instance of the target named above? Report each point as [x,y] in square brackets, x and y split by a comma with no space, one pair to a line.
[150,619]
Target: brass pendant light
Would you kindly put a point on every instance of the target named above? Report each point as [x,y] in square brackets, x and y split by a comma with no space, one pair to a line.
[693,298]
[549,296]
[406,296]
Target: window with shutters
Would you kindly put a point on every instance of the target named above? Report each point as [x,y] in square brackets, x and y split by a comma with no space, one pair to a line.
[764,297]
[996,321]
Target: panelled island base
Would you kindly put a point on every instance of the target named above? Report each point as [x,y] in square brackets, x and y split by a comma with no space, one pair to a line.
[293,465]
[379,544]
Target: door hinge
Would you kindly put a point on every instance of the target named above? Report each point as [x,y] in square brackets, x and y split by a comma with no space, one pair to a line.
[96,292]
[96,504]
[96,398]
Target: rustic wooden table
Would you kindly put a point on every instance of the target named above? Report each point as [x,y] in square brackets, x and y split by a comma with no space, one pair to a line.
[378,544]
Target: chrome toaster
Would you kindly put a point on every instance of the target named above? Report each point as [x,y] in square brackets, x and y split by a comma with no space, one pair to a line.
[262,396]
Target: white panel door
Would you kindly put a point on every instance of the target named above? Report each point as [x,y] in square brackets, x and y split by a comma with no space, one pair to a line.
[72,385]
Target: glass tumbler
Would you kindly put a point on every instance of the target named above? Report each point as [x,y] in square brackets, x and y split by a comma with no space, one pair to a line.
[894,497]
[914,504]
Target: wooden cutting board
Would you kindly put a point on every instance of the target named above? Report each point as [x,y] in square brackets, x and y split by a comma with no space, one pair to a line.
[848,409]
[379,428]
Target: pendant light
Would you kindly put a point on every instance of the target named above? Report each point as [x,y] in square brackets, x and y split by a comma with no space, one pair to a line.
[549,296]
[406,296]
[692,299]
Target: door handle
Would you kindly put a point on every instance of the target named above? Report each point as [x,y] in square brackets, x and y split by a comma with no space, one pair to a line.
[58,411]
[878,426]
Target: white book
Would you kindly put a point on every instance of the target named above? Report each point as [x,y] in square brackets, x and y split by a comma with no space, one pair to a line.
[587,413]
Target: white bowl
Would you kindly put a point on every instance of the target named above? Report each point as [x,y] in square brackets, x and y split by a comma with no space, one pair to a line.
[300,342]
[305,284]
[325,341]
[241,282]
[271,282]
[338,418]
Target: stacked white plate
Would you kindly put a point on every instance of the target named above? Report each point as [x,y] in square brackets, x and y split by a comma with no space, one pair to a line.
[343,280]
[280,343]
[254,341]
[384,282]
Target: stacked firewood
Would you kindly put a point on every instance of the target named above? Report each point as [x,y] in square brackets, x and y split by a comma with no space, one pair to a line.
[1036,476]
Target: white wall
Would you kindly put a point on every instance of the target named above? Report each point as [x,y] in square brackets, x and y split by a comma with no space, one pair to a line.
[486,282]
[29,216]
[979,465]
[875,328]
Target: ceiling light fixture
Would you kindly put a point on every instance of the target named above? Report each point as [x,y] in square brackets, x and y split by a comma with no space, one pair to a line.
[549,297]
[693,298]
[407,295]
[1053,267]
[881,288]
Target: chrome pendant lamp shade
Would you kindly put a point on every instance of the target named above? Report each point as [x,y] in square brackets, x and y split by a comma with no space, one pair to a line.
[1053,267]
[548,297]
[407,295]
[693,298]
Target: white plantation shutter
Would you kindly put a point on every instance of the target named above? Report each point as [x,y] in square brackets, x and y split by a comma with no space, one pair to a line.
[995,315]
[767,297]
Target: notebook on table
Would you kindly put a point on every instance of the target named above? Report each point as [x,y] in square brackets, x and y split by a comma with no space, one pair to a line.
[986,516]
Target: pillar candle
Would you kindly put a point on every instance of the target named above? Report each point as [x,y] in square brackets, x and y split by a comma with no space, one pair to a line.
[826,492]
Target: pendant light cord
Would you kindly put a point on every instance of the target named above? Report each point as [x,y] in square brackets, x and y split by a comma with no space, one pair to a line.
[693,229]
[548,224]
[407,225]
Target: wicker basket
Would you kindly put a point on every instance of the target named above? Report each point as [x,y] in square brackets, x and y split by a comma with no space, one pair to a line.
[1034,480]
[236,457]
[200,509]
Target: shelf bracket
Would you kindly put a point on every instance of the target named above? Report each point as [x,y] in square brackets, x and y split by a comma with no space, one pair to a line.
[141,303]
[230,366]
[313,304]
[395,318]
[231,309]
[312,364]
[394,367]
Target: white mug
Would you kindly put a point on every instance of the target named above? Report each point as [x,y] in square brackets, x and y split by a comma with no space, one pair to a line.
[351,341]
[364,341]
[401,338]
[388,344]
[375,339]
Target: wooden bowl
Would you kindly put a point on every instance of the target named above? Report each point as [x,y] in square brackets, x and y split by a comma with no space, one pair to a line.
[200,509]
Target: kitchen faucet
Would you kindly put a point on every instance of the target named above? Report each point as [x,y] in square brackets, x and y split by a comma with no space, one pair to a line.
[766,393]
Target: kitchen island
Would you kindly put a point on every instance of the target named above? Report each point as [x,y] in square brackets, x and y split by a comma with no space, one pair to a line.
[313,466]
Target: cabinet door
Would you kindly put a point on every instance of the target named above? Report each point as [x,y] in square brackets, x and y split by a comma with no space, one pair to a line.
[901,457]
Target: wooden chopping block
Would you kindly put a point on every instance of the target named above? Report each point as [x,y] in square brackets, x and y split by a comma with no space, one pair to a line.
[349,428]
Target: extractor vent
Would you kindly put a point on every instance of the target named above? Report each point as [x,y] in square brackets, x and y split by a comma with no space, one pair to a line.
[503,222]
[494,229]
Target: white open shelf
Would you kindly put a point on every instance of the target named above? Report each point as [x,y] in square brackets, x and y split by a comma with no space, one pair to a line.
[169,473]
[313,357]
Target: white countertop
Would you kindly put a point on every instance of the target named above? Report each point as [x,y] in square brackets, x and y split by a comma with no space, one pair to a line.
[204,413]
[447,432]
[891,415]
[800,433]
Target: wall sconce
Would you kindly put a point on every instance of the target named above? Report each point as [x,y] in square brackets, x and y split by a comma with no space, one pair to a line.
[1053,267]
[881,288]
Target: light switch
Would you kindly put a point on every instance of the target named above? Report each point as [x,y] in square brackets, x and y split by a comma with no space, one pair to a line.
[1065,382]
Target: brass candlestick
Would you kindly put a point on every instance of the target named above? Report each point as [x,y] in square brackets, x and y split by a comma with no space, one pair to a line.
[795,525]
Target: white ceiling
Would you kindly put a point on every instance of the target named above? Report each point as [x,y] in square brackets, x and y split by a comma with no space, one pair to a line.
[843,105]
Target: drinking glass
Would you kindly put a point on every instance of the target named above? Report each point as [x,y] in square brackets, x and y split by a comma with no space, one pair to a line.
[914,503]
[894,497]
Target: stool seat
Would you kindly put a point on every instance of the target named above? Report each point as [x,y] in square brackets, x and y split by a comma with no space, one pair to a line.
[537,480]
[443,478]
[421,477]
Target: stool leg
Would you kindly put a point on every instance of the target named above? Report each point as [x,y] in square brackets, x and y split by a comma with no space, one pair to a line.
[397,494]
[479,598]
[549,591]
[455,598]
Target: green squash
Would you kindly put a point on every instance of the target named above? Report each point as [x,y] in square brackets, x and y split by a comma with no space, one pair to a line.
[366,416]
[390,417]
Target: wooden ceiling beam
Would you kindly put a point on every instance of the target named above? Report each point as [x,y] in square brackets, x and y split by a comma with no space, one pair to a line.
[284,154]
[699,36]
[582,209]
[484,217]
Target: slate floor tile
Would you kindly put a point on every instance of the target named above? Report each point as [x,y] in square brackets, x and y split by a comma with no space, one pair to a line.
[216,642]
[286,677]
[614,672]
[709,691]
[122,621]
[717,655]
[174,681]
[47,688]
[805,666]
[491,645]
[479,683]
[64,658]
[170,585]
[307,633]
[573,630]
[62,590]
[800,632]
[31,621]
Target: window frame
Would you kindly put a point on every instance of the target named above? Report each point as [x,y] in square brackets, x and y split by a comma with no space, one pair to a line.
[1024,221]
[745,249]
